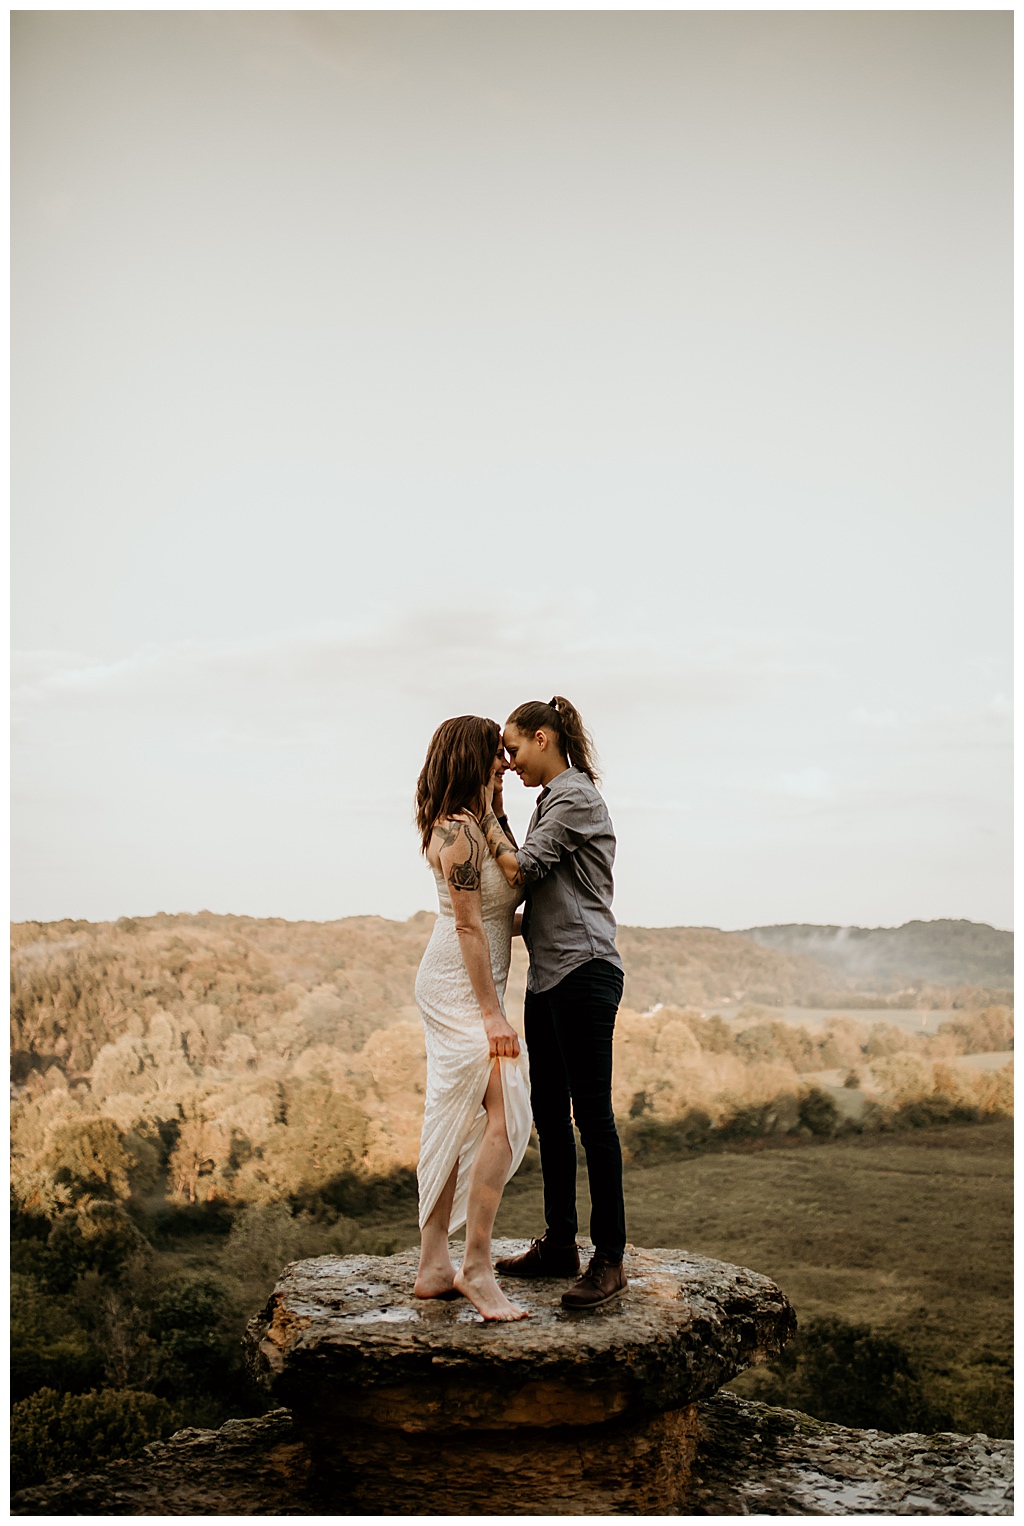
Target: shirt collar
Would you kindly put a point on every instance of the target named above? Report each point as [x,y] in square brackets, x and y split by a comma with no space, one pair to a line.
[567,774]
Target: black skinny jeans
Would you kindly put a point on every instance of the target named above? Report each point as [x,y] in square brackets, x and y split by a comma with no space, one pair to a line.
[569,1036]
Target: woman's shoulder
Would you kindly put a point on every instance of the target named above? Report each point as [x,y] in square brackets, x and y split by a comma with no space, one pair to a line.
[458,818]
[448,829]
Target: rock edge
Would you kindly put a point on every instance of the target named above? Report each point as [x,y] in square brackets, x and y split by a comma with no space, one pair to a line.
[345,1336]
[751,1459]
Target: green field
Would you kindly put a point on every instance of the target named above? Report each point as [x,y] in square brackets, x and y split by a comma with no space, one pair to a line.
[910,1234]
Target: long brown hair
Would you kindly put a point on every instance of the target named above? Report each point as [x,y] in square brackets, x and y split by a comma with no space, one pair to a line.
[458,764]
[574,740]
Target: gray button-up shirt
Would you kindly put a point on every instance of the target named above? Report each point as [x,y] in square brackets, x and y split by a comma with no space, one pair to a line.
[567,862]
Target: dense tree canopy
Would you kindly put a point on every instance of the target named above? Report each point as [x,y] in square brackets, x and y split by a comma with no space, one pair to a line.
[223,1059]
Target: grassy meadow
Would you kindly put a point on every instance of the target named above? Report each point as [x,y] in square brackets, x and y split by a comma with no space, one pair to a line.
[910,1234]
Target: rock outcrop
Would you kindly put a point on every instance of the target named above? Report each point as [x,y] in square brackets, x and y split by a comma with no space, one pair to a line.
[249,1467]
[398,1406]
[756,1460]
[750,1459]
[419,1407]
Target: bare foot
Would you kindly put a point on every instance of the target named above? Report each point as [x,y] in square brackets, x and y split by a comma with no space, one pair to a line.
[482,1291]
[435,1282]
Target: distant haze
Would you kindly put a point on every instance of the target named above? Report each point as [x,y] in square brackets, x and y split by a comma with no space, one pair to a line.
[953,953]
[372,367]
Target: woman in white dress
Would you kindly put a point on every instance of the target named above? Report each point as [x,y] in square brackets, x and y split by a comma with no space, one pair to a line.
[477,1115]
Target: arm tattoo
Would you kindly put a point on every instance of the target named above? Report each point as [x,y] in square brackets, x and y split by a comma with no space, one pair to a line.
[497,830]
[501,843]
[464,875]
[448,831]
[506,829]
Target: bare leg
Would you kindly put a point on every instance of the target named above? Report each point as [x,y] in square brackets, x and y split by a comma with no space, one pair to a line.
[475,1277]
[436,1275]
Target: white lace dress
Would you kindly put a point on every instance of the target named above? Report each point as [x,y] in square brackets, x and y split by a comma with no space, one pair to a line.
[458,1062]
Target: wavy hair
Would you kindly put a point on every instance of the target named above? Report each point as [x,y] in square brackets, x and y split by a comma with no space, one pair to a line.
[574,740]
[458,764]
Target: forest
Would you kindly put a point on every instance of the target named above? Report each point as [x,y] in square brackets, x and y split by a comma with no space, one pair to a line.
[198,1099]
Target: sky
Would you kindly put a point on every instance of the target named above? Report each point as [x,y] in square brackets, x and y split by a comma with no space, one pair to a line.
[371,368]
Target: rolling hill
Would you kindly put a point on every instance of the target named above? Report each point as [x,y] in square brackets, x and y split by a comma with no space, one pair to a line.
[885,959]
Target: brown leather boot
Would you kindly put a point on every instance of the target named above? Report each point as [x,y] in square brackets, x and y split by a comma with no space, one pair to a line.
[603,1279]
[542,1260]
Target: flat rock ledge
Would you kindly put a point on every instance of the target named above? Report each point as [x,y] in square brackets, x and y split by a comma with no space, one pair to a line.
[419,1407]
[749,1459]
[346,1336]
[754,1459]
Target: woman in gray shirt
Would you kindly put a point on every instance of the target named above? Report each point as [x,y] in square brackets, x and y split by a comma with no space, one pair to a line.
[573,990]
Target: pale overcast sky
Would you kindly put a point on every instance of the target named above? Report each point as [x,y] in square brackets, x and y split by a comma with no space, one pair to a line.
[371,368]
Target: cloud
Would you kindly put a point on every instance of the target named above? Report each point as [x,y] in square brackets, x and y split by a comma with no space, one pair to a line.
[975,725]
[875,720]
[277,772]
[809,784]
[649,805]
[28,668]
[248,686]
